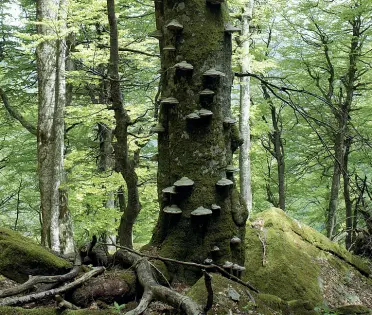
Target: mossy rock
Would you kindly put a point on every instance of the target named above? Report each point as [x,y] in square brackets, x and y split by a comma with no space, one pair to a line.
[21,257]
[225,291]
[302,264]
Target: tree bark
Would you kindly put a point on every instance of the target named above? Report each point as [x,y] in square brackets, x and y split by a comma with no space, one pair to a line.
[245,106]
[199,149]
[50,133]
[348,201]
[124,163]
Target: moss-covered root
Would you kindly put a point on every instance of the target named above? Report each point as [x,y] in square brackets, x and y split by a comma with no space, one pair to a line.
[21,257]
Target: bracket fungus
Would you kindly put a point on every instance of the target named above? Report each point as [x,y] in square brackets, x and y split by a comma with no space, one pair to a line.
[215,207]
[228,121]
[156,34]
[174,25]
[229,28]
[184,66]
[169,48]
[235,240]
[231,169]
[201,211]
[169,101]
[205,113]
[215,249]
[224,182]
[184,182]
[237,270]
[213,73]
[207,92]
[170,190]
[208,261]
[228,266]
[193,116]
[158,128]
[173,209]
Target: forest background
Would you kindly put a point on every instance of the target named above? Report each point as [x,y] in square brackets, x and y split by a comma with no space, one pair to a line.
[309,151]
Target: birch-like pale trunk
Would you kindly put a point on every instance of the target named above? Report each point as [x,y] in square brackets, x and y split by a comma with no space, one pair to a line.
[51,52]
[245,106]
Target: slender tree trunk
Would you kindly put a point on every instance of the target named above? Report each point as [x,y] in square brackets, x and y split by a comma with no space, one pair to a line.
[335,186]
[52,97]
[245,105]
[275,139]
[124,163]
[348,201]
[196,146]
[342,115]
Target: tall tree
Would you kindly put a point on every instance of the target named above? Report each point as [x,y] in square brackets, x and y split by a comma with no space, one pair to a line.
[51,52]
[245,106]
[125,163]
[200,207]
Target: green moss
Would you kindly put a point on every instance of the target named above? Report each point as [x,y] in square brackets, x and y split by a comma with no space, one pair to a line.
[300,263]
[20,257]
[352,310]
[91,312]
[265,304]
[8,310]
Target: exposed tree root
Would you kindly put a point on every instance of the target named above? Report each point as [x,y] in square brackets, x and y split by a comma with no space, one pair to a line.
[39,279]
[210,267]
[153,290]
[52,292]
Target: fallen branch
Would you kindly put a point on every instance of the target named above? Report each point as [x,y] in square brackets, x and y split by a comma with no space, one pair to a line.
[38,296]
[39,279]
[62,303]
[152,290]
[191,264]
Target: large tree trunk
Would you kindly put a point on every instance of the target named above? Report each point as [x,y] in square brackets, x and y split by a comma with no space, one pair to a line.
[245,106]
[202,148]
[52,88]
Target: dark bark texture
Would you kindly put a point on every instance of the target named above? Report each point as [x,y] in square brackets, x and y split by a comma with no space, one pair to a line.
[199,149]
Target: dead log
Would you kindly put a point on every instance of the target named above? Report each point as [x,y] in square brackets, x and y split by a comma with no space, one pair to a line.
[118,286]
[39,279]
[41,295]
[152,289]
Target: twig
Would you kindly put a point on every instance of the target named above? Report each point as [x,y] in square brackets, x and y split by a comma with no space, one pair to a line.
[263,242]
[208,285]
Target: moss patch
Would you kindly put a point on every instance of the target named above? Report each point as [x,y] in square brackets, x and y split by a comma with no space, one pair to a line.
[302,264]
[264,303]
[20,257]
[7,310]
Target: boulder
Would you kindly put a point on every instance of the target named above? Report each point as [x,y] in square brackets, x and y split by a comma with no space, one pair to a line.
[21,257]
[292,261]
